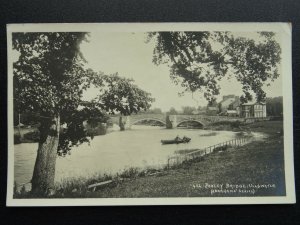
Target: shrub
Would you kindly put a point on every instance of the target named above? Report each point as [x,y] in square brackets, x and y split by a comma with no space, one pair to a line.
[233,124]
[220,148]
[17,139]
[32,136]
[130,173]
[100,129]
[236,124]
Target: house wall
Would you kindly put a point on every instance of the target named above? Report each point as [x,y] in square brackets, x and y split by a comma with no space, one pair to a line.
[255,110]
[259,110]
[246,111]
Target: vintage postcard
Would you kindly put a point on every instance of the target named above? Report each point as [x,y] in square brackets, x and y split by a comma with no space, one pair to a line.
[149,114]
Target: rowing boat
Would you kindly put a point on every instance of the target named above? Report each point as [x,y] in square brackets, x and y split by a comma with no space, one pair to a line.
[174,141]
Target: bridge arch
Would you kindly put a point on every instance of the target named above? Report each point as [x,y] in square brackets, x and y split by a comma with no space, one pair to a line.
[149,118]
[190,120]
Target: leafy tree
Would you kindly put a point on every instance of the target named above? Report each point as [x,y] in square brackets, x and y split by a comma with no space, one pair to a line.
[200,108]
[199,60]
[154,111]
[172,111]
[274,106]
[120,95]
[49,80]
[188,110]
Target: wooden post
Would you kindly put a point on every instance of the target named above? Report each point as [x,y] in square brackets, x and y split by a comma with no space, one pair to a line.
[19,125]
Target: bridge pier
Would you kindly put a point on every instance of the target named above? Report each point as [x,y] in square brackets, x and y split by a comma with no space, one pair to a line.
[174,121]
[124,123]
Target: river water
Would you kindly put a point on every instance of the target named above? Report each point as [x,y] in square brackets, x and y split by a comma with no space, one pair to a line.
[116,151]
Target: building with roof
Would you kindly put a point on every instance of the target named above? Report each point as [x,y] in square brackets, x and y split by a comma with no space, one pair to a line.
[232,113]
[253,110]
[212,110]
[229,102]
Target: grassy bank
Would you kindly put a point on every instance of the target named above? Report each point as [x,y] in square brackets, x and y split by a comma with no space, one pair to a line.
[255,169]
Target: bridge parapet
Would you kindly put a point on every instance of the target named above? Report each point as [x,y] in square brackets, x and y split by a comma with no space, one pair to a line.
[128,121]
[176,120]
[140,117]
[204,120]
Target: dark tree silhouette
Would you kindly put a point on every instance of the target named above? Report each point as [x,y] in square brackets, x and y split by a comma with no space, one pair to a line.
[49,81]
[199,60]
[275,106]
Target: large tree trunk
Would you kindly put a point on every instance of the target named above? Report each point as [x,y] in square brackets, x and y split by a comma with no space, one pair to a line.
[44,169]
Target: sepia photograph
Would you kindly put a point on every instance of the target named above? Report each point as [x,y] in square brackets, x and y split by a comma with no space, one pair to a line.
[149,114]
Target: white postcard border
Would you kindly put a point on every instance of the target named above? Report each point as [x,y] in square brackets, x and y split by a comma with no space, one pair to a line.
[285,31]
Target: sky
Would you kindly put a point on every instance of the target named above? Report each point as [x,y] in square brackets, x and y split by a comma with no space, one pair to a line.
[130,56]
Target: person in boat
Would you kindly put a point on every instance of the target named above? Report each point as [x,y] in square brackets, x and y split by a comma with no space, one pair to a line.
[186,139]
[177,138]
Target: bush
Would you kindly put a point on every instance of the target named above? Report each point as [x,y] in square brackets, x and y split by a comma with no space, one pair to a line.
[220,148]
[221,125]
[276,118]
[17,139]
[236,124]
[188,163]
[32,136]
[130,173]
[98,130]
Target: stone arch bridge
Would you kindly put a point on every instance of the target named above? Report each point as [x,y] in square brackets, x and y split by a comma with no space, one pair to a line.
[203,120]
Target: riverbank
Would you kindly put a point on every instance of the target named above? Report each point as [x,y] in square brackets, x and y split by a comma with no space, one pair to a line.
[32,134]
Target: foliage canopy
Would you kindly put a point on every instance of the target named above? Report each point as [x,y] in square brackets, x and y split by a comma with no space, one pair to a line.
[199,60]
[50,79]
